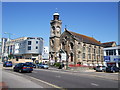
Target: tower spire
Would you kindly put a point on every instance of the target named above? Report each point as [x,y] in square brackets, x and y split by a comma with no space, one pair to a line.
[56,15]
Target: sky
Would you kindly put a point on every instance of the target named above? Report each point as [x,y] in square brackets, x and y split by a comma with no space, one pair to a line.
[32,19]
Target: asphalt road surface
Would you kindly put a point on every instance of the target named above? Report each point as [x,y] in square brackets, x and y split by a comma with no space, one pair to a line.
[43,78]
[67,80]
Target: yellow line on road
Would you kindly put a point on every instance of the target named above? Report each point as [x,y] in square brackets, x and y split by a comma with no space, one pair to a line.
[55,86]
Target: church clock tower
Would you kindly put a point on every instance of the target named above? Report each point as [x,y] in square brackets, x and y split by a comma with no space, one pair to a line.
[54,40]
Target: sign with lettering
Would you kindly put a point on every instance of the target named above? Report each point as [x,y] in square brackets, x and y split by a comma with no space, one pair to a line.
[112,58]
[107,58]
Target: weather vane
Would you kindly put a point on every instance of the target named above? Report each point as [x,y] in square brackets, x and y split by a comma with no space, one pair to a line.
[56,9]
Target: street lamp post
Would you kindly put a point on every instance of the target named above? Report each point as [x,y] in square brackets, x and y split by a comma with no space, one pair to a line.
[9,37]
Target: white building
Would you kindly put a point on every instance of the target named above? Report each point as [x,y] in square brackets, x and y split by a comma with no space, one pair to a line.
[45,56]
[3,48]
[112,56]
[24,48]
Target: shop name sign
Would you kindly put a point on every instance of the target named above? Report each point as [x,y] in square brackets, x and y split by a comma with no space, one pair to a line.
[112,58]
[107,58]
[117,59]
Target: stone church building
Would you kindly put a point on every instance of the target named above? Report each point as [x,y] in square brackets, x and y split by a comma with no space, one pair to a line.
[79,49]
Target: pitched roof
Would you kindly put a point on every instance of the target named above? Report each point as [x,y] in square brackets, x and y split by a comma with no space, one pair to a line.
[84,38]
[108,44]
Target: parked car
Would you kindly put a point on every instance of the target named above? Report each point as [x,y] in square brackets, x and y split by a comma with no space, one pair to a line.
[45,66]
[32,64]
[23,67]
[100,68]
[112,69]
[7,64]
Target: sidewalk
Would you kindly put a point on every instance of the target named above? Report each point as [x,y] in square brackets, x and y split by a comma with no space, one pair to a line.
[16,81]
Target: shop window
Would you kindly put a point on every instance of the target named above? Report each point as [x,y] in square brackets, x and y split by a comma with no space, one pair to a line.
[114,51]
[107,52]
[110,52]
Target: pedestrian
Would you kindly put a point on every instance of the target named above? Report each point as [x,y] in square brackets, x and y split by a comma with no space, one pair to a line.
[62,65]
[112,69]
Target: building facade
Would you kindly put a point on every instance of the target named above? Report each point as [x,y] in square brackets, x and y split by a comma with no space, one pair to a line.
[109,44]
[45,55]
[112,56]
[79,49]
[54,40]
[3,48]
[25,48]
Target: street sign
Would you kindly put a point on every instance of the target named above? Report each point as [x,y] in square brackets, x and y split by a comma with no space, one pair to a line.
[63,56]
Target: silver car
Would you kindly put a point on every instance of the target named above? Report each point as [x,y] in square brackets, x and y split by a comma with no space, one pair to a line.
[100,69]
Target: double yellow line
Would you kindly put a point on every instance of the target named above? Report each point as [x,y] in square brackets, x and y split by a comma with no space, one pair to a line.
[55,86]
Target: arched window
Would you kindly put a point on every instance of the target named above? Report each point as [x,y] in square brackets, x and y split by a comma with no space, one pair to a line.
[52,43]
[58,27]
[53,27]
[71,45]
[53,31]
[63,45]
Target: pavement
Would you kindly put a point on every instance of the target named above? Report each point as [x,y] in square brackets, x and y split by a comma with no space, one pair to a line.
[12,80]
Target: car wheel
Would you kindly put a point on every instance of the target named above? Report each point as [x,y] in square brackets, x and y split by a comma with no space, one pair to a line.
[103,70]
[30,71]
[113,71]
[14,70]
[20,71]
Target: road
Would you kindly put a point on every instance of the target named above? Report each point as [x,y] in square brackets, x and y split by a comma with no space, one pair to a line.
[67,80]
[59,79]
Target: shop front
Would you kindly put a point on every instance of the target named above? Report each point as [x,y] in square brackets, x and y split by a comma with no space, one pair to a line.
[112,61]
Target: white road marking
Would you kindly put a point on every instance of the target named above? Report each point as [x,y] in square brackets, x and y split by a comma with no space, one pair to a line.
[58,76]
[34,72]
[55,86]
[94,84]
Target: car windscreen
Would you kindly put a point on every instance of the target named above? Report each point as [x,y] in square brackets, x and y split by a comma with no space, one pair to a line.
[26,64]
[9,62]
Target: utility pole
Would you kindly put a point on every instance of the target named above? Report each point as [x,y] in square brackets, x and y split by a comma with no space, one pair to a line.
[9,37]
